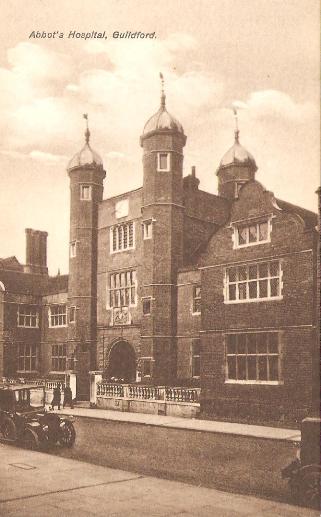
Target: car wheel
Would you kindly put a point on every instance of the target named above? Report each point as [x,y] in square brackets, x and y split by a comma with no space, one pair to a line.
[31,440]
[8,429]
[67,434]
[310,489]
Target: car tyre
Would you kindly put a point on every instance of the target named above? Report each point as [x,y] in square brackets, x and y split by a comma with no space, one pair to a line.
[68,434]
[8,429]
[310,488]
[31,440]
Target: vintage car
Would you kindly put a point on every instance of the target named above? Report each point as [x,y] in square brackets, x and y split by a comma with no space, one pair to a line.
[304,471]
[25,421]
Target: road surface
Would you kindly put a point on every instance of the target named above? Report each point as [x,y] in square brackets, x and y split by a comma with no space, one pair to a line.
[34,484]
[240,464]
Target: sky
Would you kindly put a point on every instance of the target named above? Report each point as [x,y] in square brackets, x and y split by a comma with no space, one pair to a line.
[259,55]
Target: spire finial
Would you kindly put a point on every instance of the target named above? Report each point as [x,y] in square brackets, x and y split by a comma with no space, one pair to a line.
[87,132]
[236,130]
[163,96]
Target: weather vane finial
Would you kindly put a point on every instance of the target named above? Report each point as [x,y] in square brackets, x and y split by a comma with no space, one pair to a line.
[87,132]
[236,130]
[163,96]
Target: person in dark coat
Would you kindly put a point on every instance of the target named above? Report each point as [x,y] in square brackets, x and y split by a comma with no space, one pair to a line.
[56,401]
[68,397]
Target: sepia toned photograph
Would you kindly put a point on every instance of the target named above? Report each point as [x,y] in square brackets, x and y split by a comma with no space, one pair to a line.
[160,258]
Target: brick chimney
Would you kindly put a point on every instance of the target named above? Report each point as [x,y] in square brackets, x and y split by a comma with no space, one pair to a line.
[36,252]
[191,182]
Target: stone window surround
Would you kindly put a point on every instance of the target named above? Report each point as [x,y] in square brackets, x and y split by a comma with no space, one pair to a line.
[246,224]
[195,357]
[114,237]
[58,357]
[28,353]
[196,310]
[255,381]
[147,227]
[149,360]
[73,249]
[85,189]
[30,316]
[109,306]
[57,315]
[168,161]
[147,299]
[72,309]
[248,280]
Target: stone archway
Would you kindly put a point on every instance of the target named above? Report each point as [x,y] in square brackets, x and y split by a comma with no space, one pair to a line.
[122,362]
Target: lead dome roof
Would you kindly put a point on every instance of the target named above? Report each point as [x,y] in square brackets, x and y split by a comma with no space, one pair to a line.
[162,119]
[86,156]
[238,155]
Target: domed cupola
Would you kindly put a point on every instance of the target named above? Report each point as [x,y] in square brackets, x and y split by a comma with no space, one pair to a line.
[238,155]
[236,167]
[162,120]
[86,157]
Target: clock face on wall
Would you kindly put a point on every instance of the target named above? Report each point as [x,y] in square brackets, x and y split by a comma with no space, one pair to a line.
[121,208]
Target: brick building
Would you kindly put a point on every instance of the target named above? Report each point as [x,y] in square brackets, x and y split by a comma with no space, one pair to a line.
[169,284]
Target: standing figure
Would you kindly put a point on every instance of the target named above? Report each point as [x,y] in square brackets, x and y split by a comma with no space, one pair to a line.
[67,397]
[56,397]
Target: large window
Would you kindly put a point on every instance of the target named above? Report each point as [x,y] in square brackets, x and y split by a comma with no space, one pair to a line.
[253,282]
[122,237]
[122,289]
[27,358]
[250,234]
[28,316]
[196,358]
[196,299]
[58,358]
[58,315]
[253,357]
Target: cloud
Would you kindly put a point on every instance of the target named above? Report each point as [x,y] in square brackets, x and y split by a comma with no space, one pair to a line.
[115,155]
[47,157]
[34,155]
[43,93]
[38,63]
[277,104]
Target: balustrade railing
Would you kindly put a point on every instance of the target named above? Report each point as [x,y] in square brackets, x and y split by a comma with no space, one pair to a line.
[110,390]
[138,392]
[49,384]
[144,392]
[182,394]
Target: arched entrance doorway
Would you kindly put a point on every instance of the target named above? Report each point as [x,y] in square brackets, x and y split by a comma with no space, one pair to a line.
[122,362]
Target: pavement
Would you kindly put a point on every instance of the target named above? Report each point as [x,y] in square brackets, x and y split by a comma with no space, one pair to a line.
[34,484]
[209,426]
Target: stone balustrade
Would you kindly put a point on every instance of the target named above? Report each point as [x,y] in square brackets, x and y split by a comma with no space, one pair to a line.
[107,389]
[144,392]
[50,385]
[138,392]
[182,394]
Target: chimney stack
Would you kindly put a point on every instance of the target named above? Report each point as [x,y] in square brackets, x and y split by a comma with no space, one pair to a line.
[191,182]
[36,252]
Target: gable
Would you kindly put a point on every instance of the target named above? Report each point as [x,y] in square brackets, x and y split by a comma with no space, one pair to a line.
[256,206]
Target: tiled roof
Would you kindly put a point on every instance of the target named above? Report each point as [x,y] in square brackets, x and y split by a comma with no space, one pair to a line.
[310,218]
